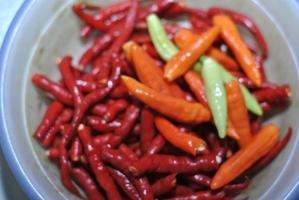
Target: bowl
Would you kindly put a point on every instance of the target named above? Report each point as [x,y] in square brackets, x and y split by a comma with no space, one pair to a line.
[42,31]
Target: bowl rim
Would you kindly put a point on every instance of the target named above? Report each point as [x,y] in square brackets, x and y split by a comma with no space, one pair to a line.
[6,145]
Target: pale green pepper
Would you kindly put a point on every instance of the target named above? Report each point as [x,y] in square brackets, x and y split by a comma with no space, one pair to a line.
[215,92]
[162,43]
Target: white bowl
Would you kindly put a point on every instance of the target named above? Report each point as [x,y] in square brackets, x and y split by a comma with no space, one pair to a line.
[42,31]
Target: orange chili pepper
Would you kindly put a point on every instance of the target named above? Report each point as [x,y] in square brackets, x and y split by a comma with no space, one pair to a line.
[261,144]
[186,37]
[172,107]
[196,84]
[147,70]
[186,57]
[150,74]
[232,37]
[184,141]
[231,131]
[237,112]
[223,59]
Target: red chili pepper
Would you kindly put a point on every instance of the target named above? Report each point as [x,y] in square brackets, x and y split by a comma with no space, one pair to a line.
[99,109]
[136,130]
[83,178]
[141,184]
[279,95]
[99,44]
[69,79]
[164,185]
[124,183]
[101,125]
[89,19]
[141,38]
[147,129]
[119,91]
[155,7]
[200,179]
[115,108]
[182,190]
[48,120]
[127,28]
[95,161]
[102,139]
[112,10]
[273,152]
[63,118]
[55,89]
[116,159]
[150,49]
[130,118]
[53,153]
[85,31]
[206,195]
[156,146]
[199,25]
[174,164]
[234,189]
[87,86]
[79,113]
[76,150]
[65,171]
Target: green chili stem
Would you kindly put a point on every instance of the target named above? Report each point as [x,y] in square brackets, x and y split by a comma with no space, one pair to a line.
[215,92]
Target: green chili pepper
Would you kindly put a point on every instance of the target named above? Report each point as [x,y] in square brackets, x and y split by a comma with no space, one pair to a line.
[250,101]
[162,43]
[215,92]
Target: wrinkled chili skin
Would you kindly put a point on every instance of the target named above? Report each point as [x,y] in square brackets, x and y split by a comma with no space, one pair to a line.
[173,164]
[125,184]
[147,129]
[55,89]
[53,111]
[164,185]
[81,176]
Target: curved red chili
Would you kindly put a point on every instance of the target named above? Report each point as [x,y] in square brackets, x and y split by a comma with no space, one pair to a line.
[124,183]
[55,89]
[95,161]
[235,188]
[130,118]
[53,111]
[76,150]
[173,164]
[99,44]
[156,146]
[200,179]
[65,171]
[164,185]
[278,95]
[65,116]
[147,128]
[116,159]
[83,178]
[115,108]
[101,125]
[206,195]
[102,139]
[69,79]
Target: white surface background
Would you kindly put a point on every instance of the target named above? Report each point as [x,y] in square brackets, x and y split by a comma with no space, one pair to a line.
[9,189]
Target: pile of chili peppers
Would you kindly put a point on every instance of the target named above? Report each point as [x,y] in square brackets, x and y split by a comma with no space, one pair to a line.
[155,110]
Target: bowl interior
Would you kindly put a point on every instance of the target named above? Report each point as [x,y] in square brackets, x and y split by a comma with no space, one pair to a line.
[55,33]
